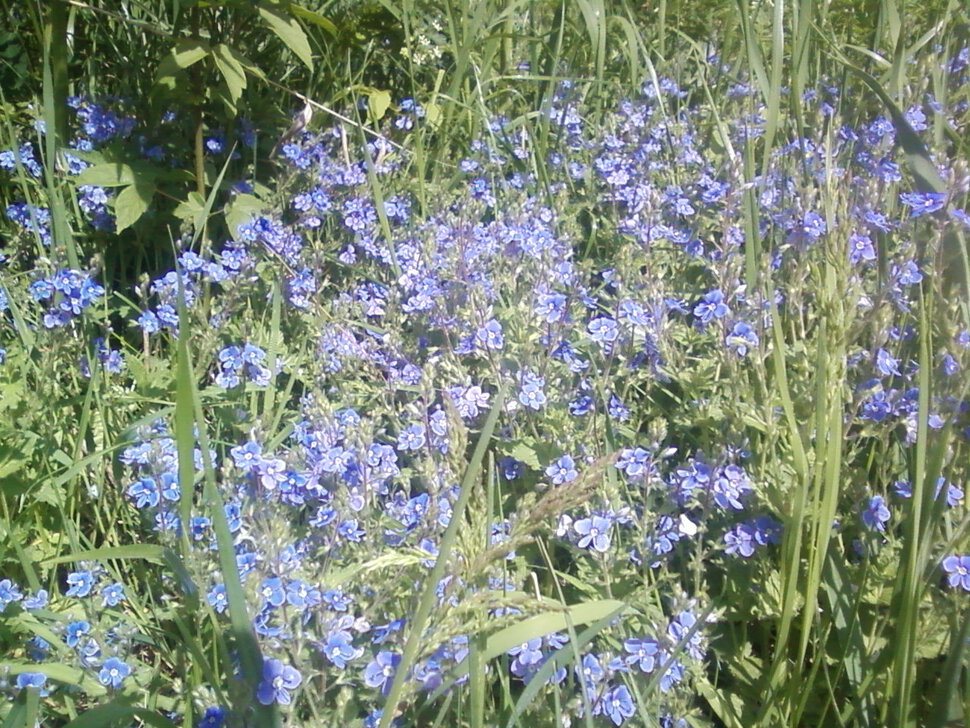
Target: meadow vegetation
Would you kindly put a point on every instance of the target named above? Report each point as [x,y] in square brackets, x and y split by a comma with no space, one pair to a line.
[477,363]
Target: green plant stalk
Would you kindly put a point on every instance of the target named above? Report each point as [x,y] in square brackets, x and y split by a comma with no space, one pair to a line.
[55,115]
[907,596]
[428,597]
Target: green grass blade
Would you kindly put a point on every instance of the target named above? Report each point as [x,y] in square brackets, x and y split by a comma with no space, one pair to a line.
[428,597]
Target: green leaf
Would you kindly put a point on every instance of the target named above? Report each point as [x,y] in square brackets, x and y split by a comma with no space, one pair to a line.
[378,102]
[288,31]
[149,552]
[116,712]
[313,17]
[189,52]
[185,53]
[542,624]
[192,208]
[525,454]
[132,202]
[232,72]
[109,174]
[59,673]
[241,210]
[15,451]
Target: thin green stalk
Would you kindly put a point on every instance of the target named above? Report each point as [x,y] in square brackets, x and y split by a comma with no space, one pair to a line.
[429,595]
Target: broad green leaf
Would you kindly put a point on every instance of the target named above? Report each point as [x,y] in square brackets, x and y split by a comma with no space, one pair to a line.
[288,31]
[241,210]
[192,208]
[525,454]
[132,202]
[378,102]
[186,53]
[247,65]
[232,72]
[109,174]
[189,52]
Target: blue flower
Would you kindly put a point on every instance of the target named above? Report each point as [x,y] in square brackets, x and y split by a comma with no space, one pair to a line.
[490,336]
[741,338]
[550,307]
[272,592]
[32,680]
[886,364]
[9,592]
[876,514]
[634,462]
[412,438]
[531,393]
[861,248]
[644,653]
[594,533]
[562,471]
[740,541]
[957,569]
[339,648]
[80,583]
[217,598]
[380,671]
[731,485]
[616,409]
[603,330]
[112,595]
[113,673]
[617,704]
[36,601]
[214,717]
[923,203]
[711,307]
[278,681]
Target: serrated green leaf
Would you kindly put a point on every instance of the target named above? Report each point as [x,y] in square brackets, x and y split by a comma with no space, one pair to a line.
[525,454]
[288,31]
[132,202]
[192,208]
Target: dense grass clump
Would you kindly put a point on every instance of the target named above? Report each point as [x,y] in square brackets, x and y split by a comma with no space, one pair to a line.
[546,370]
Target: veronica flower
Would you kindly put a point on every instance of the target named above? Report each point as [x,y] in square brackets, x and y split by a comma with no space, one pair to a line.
[278,680]
[113,673]
[379,672]
[923,203]
[876,514]
[594,533]
[80,583]
[562,470]
[711,307]
[957,569]
[617,704]
[644,653]
[32,680]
